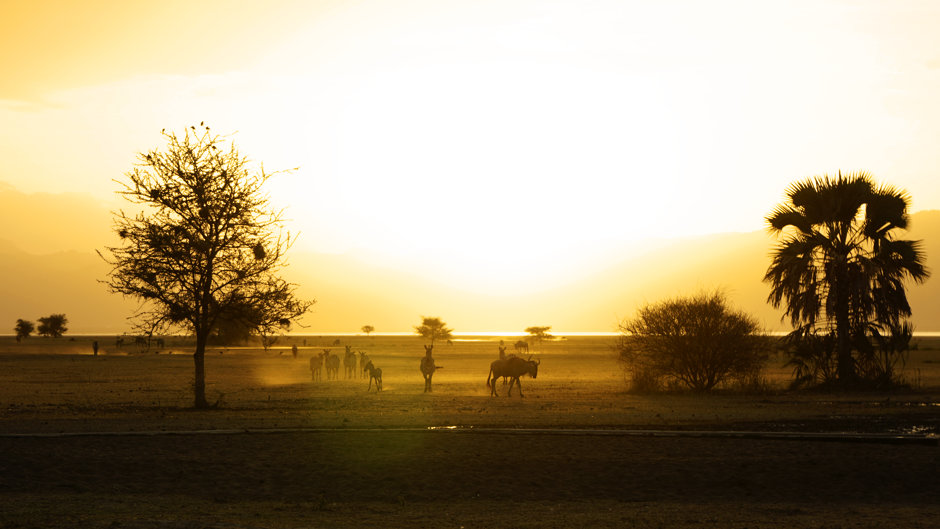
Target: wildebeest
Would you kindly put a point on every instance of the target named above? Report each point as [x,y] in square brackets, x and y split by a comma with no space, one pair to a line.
[316,365]
[332,365]
[521,346]
[349,363]
[512,367]
[428,368]
[374,374]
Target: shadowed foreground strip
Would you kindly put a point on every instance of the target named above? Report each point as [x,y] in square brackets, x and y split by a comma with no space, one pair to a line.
[840,437]
[300,479]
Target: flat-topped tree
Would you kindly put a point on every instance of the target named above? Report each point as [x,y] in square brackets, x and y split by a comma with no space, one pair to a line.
[539,333]
[203,245]
[433,329]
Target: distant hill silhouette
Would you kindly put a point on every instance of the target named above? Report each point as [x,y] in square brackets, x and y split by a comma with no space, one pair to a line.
[47,222]
[352,291]
[33,285]
[735,262]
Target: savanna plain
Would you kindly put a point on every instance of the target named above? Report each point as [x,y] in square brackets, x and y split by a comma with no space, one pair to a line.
[113,441]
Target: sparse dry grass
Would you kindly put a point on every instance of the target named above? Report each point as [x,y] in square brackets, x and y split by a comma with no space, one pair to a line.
[352,478]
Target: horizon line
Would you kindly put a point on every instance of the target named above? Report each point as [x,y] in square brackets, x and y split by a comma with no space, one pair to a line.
[495,334]
[359,333]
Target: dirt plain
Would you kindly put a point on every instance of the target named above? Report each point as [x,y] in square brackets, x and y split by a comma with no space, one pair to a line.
[112,441]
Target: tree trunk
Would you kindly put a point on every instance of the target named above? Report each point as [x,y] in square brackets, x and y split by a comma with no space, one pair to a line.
[845,364]
[199,361]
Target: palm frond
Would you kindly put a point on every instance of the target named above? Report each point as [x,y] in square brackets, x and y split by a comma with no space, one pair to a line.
[885,211]
[784,216]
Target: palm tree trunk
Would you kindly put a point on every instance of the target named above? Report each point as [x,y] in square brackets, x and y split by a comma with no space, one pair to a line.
[845,365]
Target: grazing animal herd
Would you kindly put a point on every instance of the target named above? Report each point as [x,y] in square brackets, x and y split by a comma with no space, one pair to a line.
[507,367]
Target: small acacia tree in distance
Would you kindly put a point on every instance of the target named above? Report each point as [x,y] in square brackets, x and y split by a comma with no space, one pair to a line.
[539,333]
[368,329]
[433,329]
[53,325]
[205,245]
[697,342]
[23,329]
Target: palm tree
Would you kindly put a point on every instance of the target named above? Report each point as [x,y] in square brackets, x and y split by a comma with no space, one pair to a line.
[839,267]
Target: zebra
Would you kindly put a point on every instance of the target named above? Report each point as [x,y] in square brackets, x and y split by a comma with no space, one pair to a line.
[428,368]
[332,365]
[316,365]
[363,360]
[349,363]
[521,346]
[374,374]
[502,356]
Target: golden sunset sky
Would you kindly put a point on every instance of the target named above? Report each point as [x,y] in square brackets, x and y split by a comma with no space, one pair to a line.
[491,143]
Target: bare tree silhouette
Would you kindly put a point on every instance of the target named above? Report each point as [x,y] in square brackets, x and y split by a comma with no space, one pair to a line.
[204,245]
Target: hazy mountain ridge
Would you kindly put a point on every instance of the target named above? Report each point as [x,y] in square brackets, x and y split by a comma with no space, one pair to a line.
[736,263]
[354,291]
[42,222]
[32,286]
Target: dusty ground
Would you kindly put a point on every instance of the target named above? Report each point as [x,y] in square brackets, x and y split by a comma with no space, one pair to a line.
[329,454]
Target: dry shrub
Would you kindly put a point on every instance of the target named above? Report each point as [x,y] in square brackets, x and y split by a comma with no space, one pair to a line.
[694,342]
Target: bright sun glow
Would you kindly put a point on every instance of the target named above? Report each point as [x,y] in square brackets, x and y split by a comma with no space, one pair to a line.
[476,167]
[498,147]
